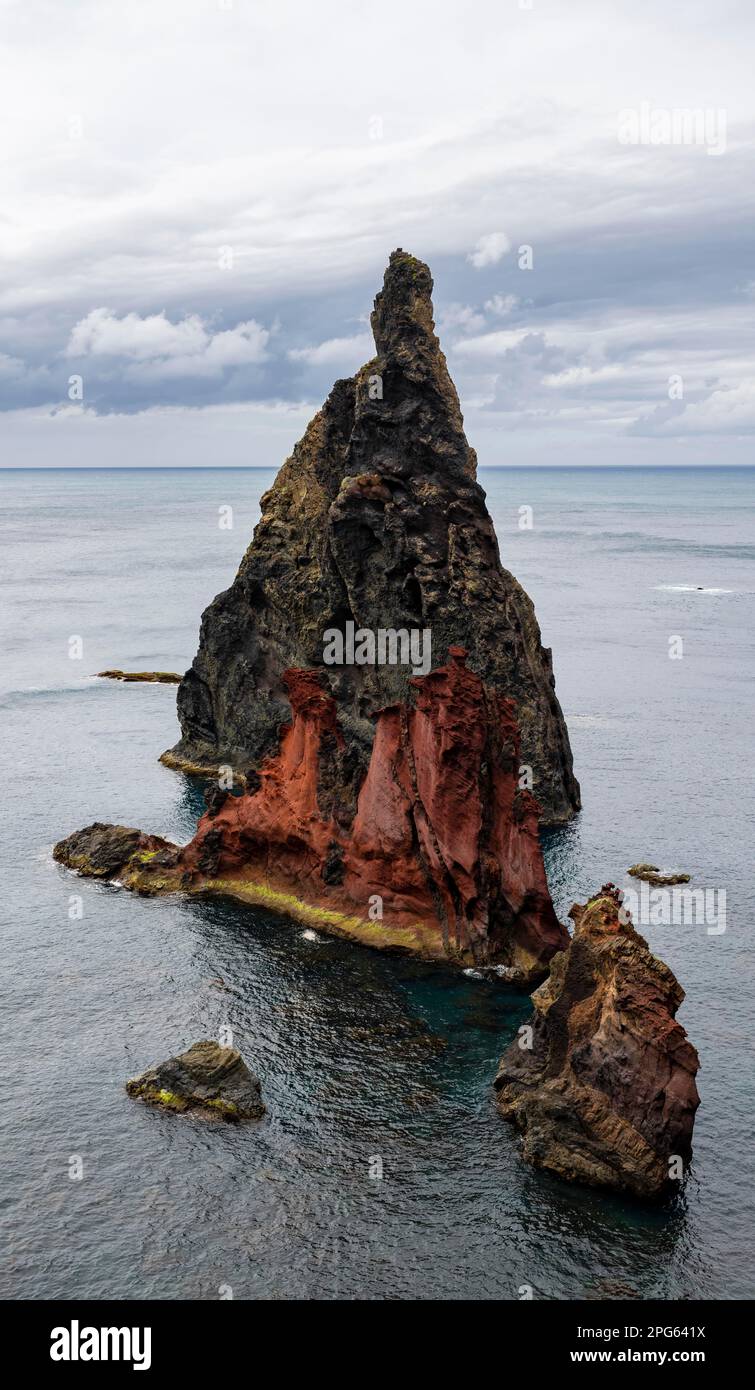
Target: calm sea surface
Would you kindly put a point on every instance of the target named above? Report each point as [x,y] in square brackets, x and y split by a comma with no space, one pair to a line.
[359,1056]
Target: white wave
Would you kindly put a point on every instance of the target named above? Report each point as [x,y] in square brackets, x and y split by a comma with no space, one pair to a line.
[51,689]
[690,589]
[504,972]
[310,935]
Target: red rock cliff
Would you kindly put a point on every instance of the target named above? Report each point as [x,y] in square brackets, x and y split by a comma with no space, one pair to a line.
[441,834]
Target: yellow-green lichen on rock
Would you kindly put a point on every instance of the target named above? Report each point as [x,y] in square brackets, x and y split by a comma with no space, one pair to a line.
[208,1078]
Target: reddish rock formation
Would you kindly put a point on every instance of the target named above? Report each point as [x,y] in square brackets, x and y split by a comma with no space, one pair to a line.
[440,832]
[606,1093]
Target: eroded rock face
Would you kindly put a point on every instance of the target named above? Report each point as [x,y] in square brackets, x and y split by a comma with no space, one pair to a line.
[606,1095]
[376,519]
[438,853]
[207,1077]
[440,831]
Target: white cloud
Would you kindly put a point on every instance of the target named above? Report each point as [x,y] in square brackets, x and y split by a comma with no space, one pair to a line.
[726,410]
[584,376]
[489,250]
[501,305]
[490,345]
[103,334]
[336,351]
[185,348]
[234,346]
[638,251]
[460,316]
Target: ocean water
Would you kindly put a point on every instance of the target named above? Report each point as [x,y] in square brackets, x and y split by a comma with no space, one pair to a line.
[361,1057]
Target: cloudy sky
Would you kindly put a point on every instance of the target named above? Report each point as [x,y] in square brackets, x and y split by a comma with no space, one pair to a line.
[200,197]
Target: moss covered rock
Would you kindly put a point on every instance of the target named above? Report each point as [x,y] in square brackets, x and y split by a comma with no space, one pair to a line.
[150,677]
[653,875]
[208,1077]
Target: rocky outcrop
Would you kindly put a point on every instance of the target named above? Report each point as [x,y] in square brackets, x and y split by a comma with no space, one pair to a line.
[438,852]
[102,851]
[603,1083]
[377,520]
[150,677]
[212,1079]
[650,873]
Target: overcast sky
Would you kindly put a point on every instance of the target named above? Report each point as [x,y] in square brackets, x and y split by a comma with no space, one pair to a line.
[200,197]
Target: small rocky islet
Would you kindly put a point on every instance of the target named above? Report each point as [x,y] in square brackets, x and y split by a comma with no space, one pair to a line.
[208,1078]
[650,873]
[143,677]
[402,810]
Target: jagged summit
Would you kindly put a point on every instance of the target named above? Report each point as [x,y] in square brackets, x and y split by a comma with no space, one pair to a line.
[402,319]
[376,519]
[412,365]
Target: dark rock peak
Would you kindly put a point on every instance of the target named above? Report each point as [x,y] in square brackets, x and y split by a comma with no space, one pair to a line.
[376,519]
[402,319]
[403,311]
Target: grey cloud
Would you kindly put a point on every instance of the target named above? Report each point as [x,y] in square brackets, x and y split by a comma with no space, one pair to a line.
[642,256]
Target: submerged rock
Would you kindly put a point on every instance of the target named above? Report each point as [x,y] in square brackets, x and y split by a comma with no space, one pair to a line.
[652,874]
[207,1077]
[376,519]
[606,1092]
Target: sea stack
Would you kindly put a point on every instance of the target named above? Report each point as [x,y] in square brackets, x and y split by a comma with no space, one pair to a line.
[602,1080]
[375,521]
[389,798]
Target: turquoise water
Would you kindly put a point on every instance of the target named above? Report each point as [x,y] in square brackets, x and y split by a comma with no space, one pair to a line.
[361,1057]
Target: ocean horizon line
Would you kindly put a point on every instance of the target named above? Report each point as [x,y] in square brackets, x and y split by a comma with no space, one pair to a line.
[481,468]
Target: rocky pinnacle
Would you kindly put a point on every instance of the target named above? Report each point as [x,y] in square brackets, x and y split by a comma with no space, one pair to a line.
[376,519]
